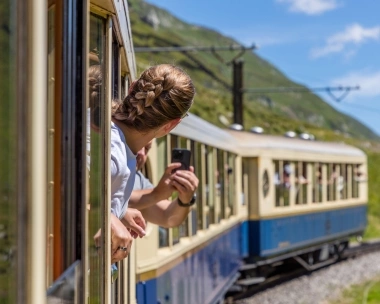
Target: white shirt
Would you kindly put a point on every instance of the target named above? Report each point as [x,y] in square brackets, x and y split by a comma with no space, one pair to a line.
[123,171]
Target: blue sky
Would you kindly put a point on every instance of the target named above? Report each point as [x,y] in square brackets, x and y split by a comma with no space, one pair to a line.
[317,43]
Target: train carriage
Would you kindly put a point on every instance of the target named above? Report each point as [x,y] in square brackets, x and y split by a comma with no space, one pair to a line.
[301,193]
[198,261]
[291,199]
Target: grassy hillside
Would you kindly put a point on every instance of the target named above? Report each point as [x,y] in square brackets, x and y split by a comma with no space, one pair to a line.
[213,79]
[301,112]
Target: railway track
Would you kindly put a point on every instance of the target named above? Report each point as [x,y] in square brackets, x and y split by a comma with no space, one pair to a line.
[289,273]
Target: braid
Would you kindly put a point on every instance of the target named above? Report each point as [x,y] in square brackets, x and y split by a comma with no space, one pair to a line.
[161,94]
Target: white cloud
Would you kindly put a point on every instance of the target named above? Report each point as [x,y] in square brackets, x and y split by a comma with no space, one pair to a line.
[353,35]
[368,82]
[310,7]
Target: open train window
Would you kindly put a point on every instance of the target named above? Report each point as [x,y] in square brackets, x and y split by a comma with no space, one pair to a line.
[220,183]
[282,181]
[194,210]
[301,183]
[231,181]
[184,227]
[358,176]
[317,174]
[199,161]
[162,152]
[95,149]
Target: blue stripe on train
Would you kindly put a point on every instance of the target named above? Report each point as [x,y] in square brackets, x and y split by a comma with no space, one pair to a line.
[279,235]
[203,277]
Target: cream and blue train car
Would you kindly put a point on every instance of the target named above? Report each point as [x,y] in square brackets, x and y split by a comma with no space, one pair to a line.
[198,261]
[305,198]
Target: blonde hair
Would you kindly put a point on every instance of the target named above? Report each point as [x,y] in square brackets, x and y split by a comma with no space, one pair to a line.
[161,94]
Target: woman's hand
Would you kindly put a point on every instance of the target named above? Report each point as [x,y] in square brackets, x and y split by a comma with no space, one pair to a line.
[134,222]
[185,182]
[121,240]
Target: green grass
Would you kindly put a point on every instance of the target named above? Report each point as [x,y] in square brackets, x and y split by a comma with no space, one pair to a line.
[373,229]
[368,292]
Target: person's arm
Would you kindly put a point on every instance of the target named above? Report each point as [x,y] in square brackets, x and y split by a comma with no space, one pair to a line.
[169,213]
[166,213]
[144,198]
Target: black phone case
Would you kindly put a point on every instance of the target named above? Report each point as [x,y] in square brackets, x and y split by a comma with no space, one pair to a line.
[181,156]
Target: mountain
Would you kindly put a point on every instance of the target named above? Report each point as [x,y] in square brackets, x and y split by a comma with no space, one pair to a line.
[212,75]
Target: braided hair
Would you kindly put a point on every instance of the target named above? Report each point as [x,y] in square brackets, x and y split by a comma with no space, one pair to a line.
[161,94]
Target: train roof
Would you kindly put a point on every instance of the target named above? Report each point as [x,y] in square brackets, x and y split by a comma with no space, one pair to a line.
[197,129]
[250,144]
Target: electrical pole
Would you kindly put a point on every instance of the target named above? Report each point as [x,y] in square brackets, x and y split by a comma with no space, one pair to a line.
[237,69]
[237,90]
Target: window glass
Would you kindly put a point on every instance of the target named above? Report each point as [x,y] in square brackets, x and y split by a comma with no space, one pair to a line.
[317,182]
[184,227]
[220,182]
[210,179]
[357,177]
[199,170]
[115,67]
[282,180]
[95,164]
[194,209]
[8,155]
[301,182]
[231,182]
[163,233]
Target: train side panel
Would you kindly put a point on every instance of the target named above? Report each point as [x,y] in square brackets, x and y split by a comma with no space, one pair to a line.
[283,234]
[201,277]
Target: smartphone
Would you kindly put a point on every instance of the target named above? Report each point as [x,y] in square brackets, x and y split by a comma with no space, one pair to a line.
[181,156]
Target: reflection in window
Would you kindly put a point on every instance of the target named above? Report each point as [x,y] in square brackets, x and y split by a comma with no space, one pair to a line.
[8,154]
[95,146]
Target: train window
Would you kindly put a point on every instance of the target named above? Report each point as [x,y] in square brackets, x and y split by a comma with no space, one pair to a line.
[357,177]
[301,183]
[162,152]
[95,161]
[245,183]
[277,183]
[231,181]
[220,182]
[184,227]
[342,182]
[210,179]
[9,136]
[174,143]
[115,68]
[317,182]
[331,181]
[265,181]
[123,83]
[199,161]
[282,180]
[349,181]
[194,212]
